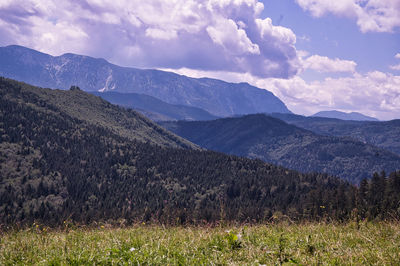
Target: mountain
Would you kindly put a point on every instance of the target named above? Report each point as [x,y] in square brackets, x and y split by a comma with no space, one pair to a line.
[154,108]
[93,110]
[215,96]
[345,116]
[60,162]
[383,134]
[272,140]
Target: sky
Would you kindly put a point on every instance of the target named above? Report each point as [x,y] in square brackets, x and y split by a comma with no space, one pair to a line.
[313,54]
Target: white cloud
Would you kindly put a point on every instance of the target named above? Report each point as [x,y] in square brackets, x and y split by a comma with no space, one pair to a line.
[395,67]
[374,93]
[234,40]
[325,64]
[161,34]
[225,35]
[371,15]
[319,8]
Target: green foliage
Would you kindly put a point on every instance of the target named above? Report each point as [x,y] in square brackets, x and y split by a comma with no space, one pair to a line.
[234,240]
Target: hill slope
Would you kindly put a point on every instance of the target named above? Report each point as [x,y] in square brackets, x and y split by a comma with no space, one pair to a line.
[272,140]
[96,111]
[154,108]
[217,97]
[383,134]
[55,166]
[345,116]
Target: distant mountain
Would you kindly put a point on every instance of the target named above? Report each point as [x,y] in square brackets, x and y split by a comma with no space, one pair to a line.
[215,96]
[272,140]
[383,134]
[345,116]
[154,108]
[63,159]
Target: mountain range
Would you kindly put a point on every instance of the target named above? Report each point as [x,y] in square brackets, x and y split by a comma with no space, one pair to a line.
[214,96]
[345,116]
[275,141]
[71,156]
[185,98]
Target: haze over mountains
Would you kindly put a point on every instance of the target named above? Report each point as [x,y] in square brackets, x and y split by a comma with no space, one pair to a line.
[345,116]
[215,96]
[154,108]
[272,140]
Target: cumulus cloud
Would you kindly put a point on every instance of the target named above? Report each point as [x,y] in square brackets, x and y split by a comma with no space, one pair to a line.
[217,35]
[374,93]
[325,64]
[371,15]
[396,67]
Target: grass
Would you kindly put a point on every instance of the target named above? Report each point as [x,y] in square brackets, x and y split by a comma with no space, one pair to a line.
[306,244]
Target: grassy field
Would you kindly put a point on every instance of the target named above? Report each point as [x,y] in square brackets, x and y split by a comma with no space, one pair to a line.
[306,244]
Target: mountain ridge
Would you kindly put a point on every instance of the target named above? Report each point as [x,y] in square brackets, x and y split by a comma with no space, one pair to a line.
[154,108]
[96,111]
[383,134]
[218,97]
[344,116]
[57,167]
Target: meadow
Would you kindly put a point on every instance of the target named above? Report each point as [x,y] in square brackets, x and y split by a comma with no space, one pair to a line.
[271,244]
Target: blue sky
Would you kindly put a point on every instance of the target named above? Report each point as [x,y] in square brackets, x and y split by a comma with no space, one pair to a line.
[335,36]
[313,54]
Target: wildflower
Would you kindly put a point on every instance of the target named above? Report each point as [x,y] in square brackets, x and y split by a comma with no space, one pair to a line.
[132,249]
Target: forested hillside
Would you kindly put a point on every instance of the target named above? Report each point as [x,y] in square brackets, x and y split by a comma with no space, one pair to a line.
[272,140]
[383,134]
[93,110]
[56,167]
